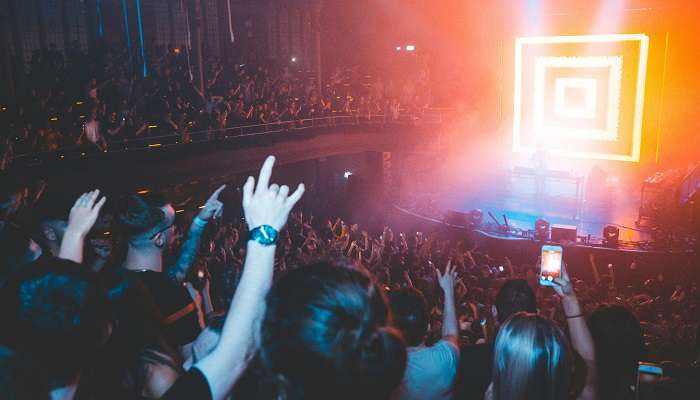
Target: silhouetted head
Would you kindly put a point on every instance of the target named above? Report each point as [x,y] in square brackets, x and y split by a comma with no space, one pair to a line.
[139,332]
[513,297]
[56,312]
[17,250]
[326,334]
[411,316]
[619,347]
[145,224]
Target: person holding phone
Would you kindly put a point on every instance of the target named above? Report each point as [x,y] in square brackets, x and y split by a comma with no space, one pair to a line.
[533,358]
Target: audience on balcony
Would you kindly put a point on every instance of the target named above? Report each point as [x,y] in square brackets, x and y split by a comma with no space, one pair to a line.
[98,102]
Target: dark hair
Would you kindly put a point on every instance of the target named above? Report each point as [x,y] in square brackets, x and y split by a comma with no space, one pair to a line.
[410,312]
[56,312]
[531,360]
[138,338]
[515,296]
[20,379]
[14,247]
[619,347]
[155,199]
[136,216]
[326,334]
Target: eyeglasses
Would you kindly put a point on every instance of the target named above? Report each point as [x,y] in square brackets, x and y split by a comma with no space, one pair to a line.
[161,231]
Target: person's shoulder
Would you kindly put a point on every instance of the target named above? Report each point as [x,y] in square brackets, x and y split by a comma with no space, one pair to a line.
[444,348]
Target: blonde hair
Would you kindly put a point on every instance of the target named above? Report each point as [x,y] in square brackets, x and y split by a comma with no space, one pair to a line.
[532,360]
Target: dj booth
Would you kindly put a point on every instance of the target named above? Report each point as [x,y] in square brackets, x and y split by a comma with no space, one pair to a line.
[561,190]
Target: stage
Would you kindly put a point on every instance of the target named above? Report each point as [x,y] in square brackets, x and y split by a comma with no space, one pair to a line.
[567,198]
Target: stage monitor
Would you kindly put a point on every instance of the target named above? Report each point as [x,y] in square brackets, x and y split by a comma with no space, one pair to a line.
[563,233]
[580,96]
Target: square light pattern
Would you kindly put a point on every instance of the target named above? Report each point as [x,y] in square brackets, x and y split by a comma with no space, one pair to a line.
[594,94]
[613,64]
[562,107]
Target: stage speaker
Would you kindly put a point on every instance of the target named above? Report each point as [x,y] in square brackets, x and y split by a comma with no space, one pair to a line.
[457,218]
[563,233]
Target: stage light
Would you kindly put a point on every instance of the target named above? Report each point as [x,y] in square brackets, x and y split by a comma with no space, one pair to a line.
[347,174]
[294,59]
[594,71]
[541,230]
[476,218]
[611,236]
[410,47]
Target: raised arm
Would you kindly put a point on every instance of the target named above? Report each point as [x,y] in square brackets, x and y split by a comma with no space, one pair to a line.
[509,267]
[81,219]
[263,205]
[213,208]
[450,326]
[594,268]
[581,339]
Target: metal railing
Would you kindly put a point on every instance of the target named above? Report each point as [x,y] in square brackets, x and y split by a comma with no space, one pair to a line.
[213,135]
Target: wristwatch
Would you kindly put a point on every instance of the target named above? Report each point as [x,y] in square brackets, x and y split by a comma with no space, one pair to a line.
[265,235]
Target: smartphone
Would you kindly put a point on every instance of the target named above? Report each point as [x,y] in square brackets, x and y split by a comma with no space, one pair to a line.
[647,375]
[550,268]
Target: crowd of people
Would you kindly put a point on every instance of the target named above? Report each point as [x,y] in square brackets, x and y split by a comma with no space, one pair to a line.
[100,102]
[125,298]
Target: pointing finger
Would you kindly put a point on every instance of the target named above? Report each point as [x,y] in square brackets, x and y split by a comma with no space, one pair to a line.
[216,193]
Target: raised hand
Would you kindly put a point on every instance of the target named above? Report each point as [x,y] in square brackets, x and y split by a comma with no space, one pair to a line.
[84,213]
[268,204]
[81,219]
[563,286]
[448,279]
[213,208]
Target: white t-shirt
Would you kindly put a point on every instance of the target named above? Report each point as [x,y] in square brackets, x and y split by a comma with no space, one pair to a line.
[430,372]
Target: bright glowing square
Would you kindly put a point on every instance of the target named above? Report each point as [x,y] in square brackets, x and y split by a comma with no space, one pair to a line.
[562,93]
[610,132]
[600,95]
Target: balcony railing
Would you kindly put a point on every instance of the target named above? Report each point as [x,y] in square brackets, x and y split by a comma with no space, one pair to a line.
[214,135]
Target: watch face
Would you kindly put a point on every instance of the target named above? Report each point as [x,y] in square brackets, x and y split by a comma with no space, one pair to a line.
[265,235]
